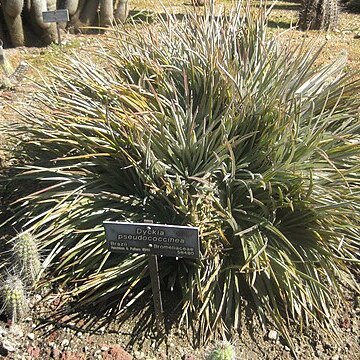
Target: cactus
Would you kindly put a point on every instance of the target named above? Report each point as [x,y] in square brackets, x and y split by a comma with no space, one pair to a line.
[71,5]
[37,8]
[25,250]
[223,352]
[21,15]
[13,7]
[75,18]
[122,11]
[12,15]
[106,12]
[318,14]
[13,298]
[47,31]
[88,13]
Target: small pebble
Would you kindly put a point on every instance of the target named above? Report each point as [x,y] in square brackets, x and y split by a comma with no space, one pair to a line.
[16,331]
[65,343]
[3,332]
[139,355]
[273,335]
[8,346]
[31,336]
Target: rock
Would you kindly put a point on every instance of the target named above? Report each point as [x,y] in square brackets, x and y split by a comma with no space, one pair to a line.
[3,332]
[68,355]
[97,353]
[104,348]
[139,355]
[8,346]
[16,331]
[65,343]
[55,353]
[34,352]
[273,335]
[3,351]
[335,357]
[31,336]
[53,336]
[189,357]
[116,352]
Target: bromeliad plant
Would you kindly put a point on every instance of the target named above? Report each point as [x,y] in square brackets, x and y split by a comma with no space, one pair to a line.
[202,122]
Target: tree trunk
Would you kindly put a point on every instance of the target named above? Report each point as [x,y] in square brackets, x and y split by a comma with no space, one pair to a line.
[318,15]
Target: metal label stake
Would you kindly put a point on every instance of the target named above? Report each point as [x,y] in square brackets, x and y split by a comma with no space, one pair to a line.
[155,286]
[156,290]
[57,17]
[2,57]
[153,240]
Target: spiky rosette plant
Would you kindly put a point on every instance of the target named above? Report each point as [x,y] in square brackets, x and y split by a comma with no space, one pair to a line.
[202,122]
[13,297]
[27,257]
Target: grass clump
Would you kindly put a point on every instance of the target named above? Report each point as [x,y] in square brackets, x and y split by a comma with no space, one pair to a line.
[201,122]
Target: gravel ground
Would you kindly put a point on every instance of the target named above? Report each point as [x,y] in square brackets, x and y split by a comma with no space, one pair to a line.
[68,340]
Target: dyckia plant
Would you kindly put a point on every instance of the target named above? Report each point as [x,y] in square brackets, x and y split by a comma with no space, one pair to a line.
[204,122]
